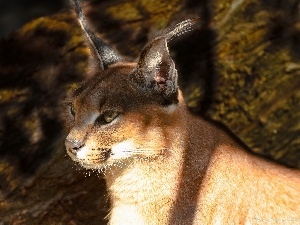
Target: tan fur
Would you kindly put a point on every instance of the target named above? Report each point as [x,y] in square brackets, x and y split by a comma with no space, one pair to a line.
[162,164]
[222,183]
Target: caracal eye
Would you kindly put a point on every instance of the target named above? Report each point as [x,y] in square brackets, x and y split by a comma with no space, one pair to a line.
[107,117]
[72,110]
[110,116]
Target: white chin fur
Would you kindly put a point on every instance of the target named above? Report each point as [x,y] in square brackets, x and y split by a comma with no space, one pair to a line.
[82,153]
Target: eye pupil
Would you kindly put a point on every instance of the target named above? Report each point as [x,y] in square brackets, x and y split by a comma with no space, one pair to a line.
[106,117]
[72,109]
[110,116]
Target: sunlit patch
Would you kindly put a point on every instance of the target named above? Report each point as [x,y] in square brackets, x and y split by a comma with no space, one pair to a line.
[122,149]
[128,215]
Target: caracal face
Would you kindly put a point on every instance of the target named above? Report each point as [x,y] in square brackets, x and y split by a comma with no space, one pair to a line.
[110,119]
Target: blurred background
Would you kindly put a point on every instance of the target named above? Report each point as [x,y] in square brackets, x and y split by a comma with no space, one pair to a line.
[15,13]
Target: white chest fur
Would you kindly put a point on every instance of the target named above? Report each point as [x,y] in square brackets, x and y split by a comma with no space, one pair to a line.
[136,196]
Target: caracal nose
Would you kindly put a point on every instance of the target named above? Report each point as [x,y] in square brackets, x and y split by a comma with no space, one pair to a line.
[73,145]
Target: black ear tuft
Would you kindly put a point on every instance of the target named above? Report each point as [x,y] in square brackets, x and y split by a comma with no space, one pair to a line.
[156,71]
[181,28]
[100,50]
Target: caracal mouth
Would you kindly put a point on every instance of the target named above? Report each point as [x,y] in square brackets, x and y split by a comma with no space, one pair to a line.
[95,159]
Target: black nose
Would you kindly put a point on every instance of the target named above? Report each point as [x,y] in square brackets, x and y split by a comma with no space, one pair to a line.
[73,145]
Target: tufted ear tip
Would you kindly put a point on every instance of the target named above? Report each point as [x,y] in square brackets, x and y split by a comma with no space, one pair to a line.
[104,54]
[182,28]
[156,70]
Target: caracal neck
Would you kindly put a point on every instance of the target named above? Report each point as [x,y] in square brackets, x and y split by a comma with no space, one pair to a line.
[142,185]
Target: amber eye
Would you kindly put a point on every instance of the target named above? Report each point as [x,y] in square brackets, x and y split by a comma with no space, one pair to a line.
[107,117]
[110,116]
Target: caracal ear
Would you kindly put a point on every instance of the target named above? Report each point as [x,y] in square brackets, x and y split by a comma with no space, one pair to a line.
[155,70]
[103,54]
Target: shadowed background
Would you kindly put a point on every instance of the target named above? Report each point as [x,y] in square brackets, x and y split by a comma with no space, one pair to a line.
[15,13]
[241,69]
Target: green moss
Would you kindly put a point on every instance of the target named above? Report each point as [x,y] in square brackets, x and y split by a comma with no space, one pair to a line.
[7,171]
[8,95]
[125,12]
[158,12]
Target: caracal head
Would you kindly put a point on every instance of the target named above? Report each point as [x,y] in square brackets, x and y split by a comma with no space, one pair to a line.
[111,119]
[122,112]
